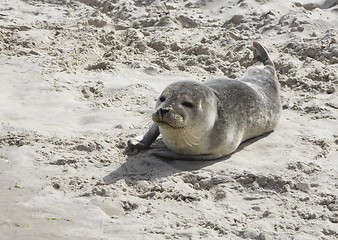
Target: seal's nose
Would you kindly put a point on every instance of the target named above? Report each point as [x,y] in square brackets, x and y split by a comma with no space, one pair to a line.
[162,111]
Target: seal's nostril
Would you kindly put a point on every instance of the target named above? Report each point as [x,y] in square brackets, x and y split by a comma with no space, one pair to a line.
[163,111]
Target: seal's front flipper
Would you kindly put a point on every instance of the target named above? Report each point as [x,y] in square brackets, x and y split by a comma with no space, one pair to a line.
[134,146]
[174,156]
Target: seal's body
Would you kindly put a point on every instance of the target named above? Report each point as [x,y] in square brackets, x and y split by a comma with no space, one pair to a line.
[208,121]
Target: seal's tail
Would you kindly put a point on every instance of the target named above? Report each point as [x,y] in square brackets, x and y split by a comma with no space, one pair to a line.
[261,54]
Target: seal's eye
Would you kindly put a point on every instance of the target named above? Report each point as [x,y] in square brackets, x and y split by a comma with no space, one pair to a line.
[162,99]
[187,104]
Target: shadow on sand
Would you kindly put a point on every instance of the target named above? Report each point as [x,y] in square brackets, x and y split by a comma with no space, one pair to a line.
[145,166]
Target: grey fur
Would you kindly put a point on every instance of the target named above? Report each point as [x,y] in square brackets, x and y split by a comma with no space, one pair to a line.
[239,110]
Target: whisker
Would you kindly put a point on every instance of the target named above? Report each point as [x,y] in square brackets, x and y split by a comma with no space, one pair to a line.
[147,121]
[187,139]
[182,134]
[189,132]
[191,135]
[191,142]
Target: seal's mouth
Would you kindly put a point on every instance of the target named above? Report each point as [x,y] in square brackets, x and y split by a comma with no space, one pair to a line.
[168,121]
[164,124]
[161,121]
[170,127]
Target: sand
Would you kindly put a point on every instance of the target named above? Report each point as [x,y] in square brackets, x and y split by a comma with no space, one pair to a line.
[79,78]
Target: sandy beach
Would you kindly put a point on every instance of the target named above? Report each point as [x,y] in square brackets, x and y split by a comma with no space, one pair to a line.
[79,78]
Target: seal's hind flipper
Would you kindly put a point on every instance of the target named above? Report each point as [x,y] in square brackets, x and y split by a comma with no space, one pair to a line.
[261,54]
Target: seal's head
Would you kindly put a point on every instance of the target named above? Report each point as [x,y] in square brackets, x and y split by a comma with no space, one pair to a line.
[185,112]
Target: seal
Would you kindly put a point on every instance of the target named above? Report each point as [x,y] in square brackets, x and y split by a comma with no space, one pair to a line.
[208,121]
